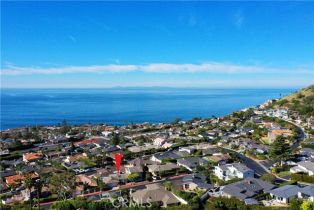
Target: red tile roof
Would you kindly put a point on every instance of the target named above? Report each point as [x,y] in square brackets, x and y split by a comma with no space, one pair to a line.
[85,142]
[32,156]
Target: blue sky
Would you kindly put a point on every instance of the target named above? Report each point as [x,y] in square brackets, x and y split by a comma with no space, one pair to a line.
[176,44]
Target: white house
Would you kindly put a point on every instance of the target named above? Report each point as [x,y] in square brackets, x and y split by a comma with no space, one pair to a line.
[189,149]
[307,193]
[231,171]
[159,141]
[306,167]
[285,194]
[106,133]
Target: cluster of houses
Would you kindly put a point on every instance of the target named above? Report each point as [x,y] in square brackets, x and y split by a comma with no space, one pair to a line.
[183,152]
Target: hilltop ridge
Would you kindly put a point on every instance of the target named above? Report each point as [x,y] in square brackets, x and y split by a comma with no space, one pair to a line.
[301,101]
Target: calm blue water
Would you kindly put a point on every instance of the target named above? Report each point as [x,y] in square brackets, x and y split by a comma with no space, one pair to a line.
[123,105]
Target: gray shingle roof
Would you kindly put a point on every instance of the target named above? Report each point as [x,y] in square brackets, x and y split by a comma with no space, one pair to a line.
[308,190]
[247,188]
[287,191]
[169,154]
[307,164]
[191,162]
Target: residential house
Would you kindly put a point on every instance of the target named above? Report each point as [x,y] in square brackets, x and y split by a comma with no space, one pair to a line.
[139,149]
[285,194]
[306,167]
[166,168]
[306,153]
[231,171]
[256,119]
[86,179]
[86,142]
[74,158]
[247,188]
[158,157]
[134,169]
[219,158]
[271,125]
[18,178]
[167,145]
[114,180]
[190,163]
[258,148]
[156,193]
[31,157]
[274,133]
[4,151]
[7,173]
[14,199]
[106,133]
[159,141]
[193,182]
[188,149]
[307,193]
[58,139]
[136,166]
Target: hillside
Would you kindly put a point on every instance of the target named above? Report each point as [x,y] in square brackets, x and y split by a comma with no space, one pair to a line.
[301,101]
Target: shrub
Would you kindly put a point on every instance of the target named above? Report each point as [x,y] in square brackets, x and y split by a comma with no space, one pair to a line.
[302,178]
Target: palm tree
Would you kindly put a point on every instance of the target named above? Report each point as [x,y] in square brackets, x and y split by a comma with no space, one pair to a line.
[85,187]
[29,183]
[38,186]
[101,185]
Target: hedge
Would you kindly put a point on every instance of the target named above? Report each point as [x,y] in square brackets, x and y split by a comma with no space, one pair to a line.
[302,178]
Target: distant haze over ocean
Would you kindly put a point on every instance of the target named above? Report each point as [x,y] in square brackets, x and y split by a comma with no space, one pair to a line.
[120,106]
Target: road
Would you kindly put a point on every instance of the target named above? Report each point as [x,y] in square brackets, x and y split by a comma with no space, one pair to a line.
[301,134]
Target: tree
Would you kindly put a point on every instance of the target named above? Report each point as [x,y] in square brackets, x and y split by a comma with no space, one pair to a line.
[148,176]
[280,150]
[134,177]
[64,127]
[115,139]
[29,183]
[307,205]
[295,204]
[101,185]
[269,178]
[62,184]
[168,185]
[38,186]
[177,120]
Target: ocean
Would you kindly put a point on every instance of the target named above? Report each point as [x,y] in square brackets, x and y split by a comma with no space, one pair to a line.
[118,106]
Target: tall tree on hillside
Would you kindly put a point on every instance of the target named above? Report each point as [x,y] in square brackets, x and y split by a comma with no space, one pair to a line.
[64,127]
[29,183]
[280,150]
[115,139]
[101,185]
[62,184]
[38,186]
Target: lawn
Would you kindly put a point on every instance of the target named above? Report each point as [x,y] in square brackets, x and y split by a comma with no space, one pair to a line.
[284,173]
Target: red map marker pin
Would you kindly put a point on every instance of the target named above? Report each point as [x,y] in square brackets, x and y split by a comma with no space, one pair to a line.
[118,157]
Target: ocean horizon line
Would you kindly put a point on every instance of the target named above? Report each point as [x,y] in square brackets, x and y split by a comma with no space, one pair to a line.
[145,87]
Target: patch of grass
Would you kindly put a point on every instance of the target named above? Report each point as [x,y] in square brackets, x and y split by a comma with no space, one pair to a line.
[284,173]
[87,161]
[265,140]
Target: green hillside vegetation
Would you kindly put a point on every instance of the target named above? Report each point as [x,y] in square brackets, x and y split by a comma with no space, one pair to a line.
[301,101]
